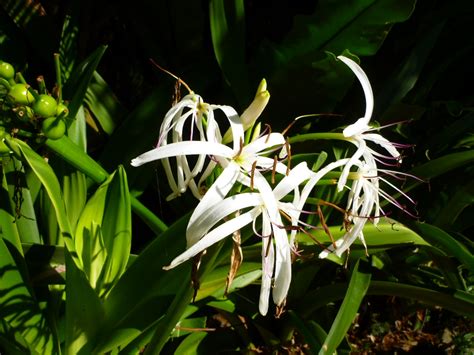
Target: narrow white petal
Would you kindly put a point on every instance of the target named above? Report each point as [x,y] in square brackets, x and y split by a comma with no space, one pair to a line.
[211,216]
[216,193]
[215,236]
[264,142]
[362,123]
[282,266]
[383,142]
[268,263]
[361,148]
[183,148]
[235,124]
[296,176]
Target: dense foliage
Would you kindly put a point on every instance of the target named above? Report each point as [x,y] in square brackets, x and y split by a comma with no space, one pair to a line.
[85,87]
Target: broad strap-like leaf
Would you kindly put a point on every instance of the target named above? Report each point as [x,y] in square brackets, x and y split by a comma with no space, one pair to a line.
[358,285]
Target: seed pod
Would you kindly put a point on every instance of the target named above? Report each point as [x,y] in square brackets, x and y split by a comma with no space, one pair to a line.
[53,128]
[6,70]
[45,106]
[19,94]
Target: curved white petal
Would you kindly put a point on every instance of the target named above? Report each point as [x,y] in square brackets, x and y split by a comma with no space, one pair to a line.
[296,176]
[216,193]
[361,148]
[183,148]
[383,142]
[264,142]
[361,125]
[215,236]
[215,213]
[268,264]
[235,124]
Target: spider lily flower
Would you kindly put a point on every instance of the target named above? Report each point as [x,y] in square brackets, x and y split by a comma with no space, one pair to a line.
[204,229]
[364,196]
[357,133]
[191,111]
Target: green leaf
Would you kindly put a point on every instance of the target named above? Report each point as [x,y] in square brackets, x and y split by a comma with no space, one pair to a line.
[442,165]
[103,233]
[358,285]
[84,311]
[72,154]
[215,281]
[454,300]
[76,87]
[17,305]
[445,242]
[8,227]
[227,21]
[190,344]
[462,199]
[144,292]
[19,195]
[103,103]
[46,175]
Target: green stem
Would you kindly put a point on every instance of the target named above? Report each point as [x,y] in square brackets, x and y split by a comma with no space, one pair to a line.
[316,136]
[41,84]
[57,67]
[5,83]
[72,154]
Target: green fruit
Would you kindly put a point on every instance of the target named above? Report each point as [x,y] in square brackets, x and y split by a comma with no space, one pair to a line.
[6,71]
[45,106]
[53,128]
[19,94]
[61,108]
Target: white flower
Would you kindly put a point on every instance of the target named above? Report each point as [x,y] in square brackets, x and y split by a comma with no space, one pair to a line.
[364,196]
[193,116]
[202,231]
[357,134]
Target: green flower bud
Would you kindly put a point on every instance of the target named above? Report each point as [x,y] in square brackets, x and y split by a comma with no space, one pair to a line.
[62,108]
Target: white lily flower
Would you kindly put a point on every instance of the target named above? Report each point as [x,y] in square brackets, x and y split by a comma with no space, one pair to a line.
[276,257]
[357,132]
[364,196]
[191,111]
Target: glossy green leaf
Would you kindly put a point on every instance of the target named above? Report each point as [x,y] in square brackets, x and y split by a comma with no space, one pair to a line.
[448,244]
[8,227]
[462,199]
[190,344]
[358,285]
[214,282]
[227,22]
[46,175]
[441,165]
[383,235]
[84,311]
[76,87]
[454,300]
[103,232]
[18,307]
[20,197]
[104,104]
[77,158]
[144,292]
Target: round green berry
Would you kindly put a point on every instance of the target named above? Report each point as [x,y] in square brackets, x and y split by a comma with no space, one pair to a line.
[53,128]
[6,70]
[19,94]
[45,106]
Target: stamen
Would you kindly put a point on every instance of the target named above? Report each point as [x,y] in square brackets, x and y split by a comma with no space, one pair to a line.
[288,149]
[325,227]
[275,161]
[171,74]
[252,172]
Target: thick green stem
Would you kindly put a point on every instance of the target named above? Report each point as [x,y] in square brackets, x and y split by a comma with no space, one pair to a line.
[316,136]
[72,154]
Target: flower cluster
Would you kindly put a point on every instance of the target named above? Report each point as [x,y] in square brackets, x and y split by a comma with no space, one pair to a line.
[242,193]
